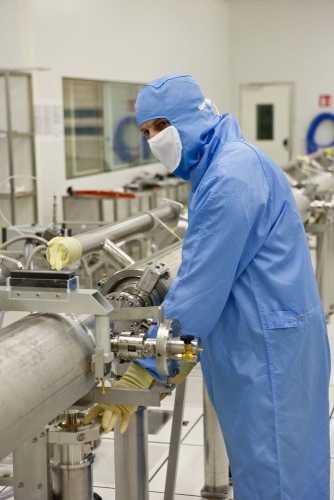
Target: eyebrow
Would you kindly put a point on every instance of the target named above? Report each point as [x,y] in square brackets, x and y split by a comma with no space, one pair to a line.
[155,121]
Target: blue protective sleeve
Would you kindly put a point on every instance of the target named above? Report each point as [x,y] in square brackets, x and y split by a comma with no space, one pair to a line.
[228,225]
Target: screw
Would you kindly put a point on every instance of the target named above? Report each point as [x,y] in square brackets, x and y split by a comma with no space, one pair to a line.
[18,294]
[130,304]
[111,297]
[42,434]
[38,294]
[20,485]
[121,297]
[39,486]
[57,295]
[81,437]
[34,440]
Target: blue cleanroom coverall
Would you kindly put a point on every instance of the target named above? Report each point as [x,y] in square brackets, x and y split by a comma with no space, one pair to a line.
[246,289]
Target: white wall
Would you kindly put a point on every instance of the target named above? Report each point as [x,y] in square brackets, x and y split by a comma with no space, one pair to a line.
[284,40]
[129,40]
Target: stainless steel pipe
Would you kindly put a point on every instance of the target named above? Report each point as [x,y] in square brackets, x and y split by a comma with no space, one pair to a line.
[93,240]
[215,455]
[131,458]
[44,369]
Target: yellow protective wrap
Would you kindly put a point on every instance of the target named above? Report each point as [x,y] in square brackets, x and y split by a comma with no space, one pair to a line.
[62,252]
[135,377]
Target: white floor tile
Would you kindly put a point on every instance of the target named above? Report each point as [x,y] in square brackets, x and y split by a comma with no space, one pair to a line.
[160,496]
[7,494]
[105,493]
[191,416]
[190,474]
[196,435]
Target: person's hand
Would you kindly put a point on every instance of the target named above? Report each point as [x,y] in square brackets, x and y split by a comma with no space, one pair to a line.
[135,377]
[184,370]
[111,414]
[62,252]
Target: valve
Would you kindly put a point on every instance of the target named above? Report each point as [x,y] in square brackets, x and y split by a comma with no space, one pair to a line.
[188,355]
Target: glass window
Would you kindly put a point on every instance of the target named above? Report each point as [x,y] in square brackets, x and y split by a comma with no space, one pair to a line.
[101,133]
[265,122]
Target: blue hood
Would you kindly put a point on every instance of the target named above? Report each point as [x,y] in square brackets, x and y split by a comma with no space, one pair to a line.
[178,98]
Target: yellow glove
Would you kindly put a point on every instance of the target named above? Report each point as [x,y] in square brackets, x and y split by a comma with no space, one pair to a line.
[185,368]
[135,377]
[62,252]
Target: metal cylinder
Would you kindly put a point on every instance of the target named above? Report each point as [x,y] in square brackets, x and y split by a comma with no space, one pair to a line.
[27,249]
[93,240]
[73,481]
[131,459]
[216,467]
[71,417]
[44,368]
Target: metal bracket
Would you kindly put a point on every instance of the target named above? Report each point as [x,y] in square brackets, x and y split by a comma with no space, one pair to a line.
[128,313]
[160,235]
[178,207]
[151,276]
[9,264]
[118,258]
[121,395]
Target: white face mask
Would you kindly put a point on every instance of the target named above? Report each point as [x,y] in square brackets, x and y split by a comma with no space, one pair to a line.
[167,147]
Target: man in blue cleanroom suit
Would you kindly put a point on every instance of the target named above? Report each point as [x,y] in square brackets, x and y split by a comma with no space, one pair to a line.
[246,289]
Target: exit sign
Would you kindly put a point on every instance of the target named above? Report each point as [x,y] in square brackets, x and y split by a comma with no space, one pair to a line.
[325,100]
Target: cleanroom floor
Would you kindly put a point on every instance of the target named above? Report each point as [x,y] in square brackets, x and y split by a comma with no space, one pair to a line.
[190,476]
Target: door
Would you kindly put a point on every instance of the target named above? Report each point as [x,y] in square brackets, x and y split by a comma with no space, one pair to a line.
[266,118]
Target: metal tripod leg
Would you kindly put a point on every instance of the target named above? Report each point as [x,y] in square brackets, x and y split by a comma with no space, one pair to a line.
[174,446]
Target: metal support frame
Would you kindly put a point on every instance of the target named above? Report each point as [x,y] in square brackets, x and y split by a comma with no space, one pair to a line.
[31,469]
[175,440]
[11,134]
